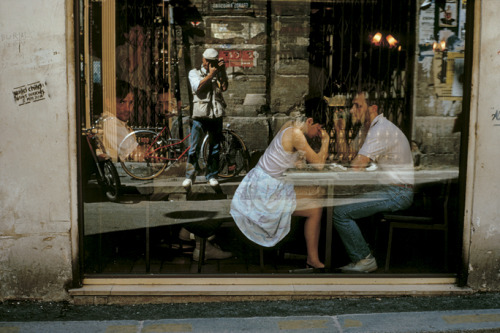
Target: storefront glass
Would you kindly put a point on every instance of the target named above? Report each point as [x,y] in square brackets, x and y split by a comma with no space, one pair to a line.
[376,184]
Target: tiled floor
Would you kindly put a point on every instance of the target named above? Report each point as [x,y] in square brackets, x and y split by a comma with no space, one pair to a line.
[125,253]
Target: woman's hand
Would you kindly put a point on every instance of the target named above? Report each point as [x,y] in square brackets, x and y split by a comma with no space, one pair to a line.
[325,138]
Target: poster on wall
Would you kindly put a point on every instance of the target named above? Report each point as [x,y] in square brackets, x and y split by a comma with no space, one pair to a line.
[426,32]
[448,14]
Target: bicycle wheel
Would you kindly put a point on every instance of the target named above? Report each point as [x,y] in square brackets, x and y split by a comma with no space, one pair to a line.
[148,159]
[111,181]
[233,155]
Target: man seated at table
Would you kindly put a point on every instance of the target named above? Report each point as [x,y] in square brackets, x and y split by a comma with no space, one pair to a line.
[115,124]
[387,147]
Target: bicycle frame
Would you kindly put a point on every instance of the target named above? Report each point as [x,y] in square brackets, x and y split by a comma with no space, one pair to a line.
[91,137]
[107,175]
[151,152]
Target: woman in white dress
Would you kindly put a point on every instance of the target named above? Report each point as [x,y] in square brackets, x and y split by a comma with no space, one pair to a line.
[264,202]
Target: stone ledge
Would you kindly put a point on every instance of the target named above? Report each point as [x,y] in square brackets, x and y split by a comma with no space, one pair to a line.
[137,294]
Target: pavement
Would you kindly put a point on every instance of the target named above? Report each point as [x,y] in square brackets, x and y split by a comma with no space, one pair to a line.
[479,312]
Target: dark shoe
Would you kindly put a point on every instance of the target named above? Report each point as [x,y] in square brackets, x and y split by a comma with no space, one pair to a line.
[315,269]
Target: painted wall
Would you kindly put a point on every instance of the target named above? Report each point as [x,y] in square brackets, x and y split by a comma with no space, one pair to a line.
[37,148]
[483,214]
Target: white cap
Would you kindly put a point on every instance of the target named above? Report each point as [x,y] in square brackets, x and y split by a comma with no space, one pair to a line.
[211,54]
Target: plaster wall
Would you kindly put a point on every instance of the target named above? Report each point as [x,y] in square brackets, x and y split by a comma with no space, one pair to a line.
[37,149]
[484,184]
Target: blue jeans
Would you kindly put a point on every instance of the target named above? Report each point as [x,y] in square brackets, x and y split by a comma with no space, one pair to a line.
[214,129]
[389,198]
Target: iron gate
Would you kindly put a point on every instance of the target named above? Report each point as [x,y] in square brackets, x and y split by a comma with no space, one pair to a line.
[361,45]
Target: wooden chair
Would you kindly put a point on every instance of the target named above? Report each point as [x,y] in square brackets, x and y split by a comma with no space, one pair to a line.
[425,214]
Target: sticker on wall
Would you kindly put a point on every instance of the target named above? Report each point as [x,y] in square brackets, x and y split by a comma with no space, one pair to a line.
[239,58]
[235,4]
[29,93]
[235,29]
[448,14]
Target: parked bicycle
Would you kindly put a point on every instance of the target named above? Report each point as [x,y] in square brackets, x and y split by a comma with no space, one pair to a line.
[107,176]
[159,151]
[233,154]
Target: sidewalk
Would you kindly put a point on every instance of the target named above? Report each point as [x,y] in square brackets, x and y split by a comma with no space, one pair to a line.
[437,321]
[468,313]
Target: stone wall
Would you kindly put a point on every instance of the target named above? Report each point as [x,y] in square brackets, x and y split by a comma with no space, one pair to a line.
[482,219]
[266,45]
[37,150]
[437,104]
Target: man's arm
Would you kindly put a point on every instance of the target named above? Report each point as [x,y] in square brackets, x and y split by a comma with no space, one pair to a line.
[223,77]
[360,162]
[205,80]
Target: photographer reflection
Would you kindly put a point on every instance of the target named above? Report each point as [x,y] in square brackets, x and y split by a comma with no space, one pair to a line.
[194,231]
[387,146]
[207,84]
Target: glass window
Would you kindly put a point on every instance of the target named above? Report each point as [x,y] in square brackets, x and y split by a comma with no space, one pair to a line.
[271,137]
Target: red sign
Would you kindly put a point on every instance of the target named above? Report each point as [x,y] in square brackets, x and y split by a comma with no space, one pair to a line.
[238,58]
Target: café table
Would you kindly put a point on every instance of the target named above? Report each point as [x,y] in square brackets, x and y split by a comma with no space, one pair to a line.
[334,175]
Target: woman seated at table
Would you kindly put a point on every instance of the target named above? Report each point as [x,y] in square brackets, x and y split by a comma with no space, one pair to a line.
[264,202]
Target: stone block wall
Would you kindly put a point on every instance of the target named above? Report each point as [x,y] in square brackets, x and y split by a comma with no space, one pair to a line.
[37,152]
[275,81]
[437,104]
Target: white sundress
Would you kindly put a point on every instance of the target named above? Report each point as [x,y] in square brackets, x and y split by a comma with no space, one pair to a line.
[263,205]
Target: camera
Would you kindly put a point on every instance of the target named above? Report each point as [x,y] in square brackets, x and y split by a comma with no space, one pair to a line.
[215,64]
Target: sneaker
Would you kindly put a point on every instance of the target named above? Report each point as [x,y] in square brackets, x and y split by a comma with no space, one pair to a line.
[367,265]
[187,184]
[213,182]
[187,236]
[212,251]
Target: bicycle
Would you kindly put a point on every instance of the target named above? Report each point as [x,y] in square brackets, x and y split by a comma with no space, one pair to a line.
[233,154]
[158,151]
[107,176]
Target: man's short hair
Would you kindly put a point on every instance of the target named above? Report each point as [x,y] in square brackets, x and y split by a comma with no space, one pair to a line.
[122,89]
[371,96]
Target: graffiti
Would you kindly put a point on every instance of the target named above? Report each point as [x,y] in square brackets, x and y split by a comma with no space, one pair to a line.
[15,39]
[496,117]
[33,92]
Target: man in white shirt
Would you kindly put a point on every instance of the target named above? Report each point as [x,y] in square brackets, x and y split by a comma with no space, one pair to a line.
[115,124]
[387,147]
[207,83]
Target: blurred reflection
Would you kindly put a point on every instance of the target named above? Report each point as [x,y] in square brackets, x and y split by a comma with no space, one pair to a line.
[115,124]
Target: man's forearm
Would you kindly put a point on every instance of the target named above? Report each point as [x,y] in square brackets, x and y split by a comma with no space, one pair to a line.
[360,162]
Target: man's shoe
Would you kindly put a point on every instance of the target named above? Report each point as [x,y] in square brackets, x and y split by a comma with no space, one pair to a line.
[213,182]
[187,184]
[187,236]
[367,265]
[212,251]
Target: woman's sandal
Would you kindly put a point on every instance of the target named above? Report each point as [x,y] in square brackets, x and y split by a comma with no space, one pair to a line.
[315,269]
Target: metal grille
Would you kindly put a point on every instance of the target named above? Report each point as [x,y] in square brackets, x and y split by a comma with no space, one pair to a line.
[142,58]
[345,57]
